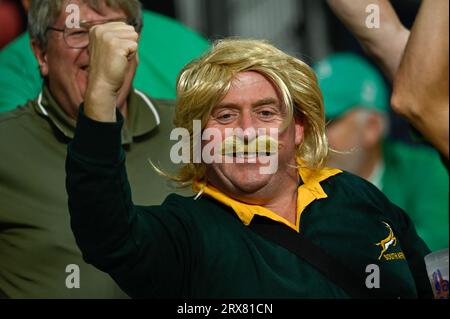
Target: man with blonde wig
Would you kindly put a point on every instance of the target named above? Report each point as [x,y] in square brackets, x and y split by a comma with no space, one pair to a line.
[226,241]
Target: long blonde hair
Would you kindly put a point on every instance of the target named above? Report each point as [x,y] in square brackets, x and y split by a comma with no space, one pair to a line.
[204,82]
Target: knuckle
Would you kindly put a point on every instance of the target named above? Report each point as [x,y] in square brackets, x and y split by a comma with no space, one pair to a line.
[135,35]
[93,31]
[98,33]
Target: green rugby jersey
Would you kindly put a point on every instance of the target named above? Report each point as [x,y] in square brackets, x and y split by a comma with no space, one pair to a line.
[188,248]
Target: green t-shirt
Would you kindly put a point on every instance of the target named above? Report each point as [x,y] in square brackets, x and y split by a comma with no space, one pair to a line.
[165,47]
[415,180]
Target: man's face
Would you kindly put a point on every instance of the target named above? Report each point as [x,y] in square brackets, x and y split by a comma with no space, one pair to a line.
[66,68]
[253,102]
[346,134]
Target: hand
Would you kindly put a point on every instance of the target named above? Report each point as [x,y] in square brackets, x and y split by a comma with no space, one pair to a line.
[112,52]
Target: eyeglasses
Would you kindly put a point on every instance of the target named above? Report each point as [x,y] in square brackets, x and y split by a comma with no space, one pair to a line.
[78,38]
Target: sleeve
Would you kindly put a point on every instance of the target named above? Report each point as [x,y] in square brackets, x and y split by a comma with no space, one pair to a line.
[415,251]
[413,247]
[145,249]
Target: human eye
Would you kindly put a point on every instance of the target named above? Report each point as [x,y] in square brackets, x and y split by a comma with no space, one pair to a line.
[266,113]
[225,116]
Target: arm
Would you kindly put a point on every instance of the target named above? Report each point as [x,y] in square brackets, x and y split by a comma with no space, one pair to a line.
[413,247]
[421,83]
[145,249]
[385,44]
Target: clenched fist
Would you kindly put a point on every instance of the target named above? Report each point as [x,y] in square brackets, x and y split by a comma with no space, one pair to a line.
[112,53]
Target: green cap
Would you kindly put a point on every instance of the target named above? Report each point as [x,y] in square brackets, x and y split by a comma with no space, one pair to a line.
[348,81]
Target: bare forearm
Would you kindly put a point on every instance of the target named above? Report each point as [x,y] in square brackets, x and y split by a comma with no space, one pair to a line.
[421,83]
[385,43]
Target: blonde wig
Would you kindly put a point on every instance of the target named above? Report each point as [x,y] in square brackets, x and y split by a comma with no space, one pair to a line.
[204,82]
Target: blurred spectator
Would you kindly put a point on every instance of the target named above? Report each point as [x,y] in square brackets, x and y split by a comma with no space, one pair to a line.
[165,47]
[417,61]
[356,103]
[39,257]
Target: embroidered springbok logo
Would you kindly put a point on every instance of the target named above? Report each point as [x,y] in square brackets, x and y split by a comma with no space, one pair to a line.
[389,241]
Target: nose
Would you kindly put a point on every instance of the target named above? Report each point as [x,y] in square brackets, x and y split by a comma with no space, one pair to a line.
[248,126]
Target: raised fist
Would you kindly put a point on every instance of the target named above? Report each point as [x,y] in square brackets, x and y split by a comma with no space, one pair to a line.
[112,52]
[112,47]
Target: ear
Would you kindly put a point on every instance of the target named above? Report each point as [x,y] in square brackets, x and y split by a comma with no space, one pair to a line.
[41,57]
[373,132]
[299,130]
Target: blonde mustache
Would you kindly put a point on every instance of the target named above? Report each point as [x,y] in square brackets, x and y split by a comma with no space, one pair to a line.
[262,145]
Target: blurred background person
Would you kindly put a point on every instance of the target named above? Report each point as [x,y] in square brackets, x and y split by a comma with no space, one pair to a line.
[416,61]
[356,106]
[166,46]
[39,257]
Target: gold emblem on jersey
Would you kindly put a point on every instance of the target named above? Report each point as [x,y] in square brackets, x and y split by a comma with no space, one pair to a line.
[387,242]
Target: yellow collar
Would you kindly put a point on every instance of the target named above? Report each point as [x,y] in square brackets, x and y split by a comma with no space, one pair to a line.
[308,192]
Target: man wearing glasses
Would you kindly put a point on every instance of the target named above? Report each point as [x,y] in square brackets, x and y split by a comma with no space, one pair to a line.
[38,254]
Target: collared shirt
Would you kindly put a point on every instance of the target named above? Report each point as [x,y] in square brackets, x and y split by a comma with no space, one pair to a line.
[309,191]
[142,117]
[376,178]
[36,242]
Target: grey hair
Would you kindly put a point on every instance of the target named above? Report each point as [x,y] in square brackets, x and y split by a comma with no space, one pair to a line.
[43,14]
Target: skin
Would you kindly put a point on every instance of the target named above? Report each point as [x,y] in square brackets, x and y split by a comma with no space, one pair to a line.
[416,61]
[254,102]
[421,83]
[385,44]
[360,142]
[65,69]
